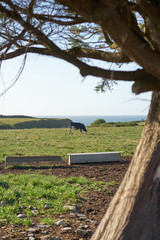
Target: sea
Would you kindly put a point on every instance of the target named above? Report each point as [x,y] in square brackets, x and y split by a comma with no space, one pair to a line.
[87,120]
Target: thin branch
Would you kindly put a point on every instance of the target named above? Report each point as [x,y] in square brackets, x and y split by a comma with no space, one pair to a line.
[17,77]
[51,18]
[13,41]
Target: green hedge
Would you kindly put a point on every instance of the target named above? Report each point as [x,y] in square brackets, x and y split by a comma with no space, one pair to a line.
[102,123]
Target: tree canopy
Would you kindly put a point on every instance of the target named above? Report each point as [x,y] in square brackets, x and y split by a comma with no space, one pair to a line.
[78,31]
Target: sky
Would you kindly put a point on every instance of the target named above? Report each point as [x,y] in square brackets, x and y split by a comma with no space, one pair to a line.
[53,87]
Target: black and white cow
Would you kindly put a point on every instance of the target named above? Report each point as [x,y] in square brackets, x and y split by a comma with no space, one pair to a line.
[77,126]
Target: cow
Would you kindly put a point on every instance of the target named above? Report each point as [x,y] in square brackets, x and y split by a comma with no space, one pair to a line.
[77,125]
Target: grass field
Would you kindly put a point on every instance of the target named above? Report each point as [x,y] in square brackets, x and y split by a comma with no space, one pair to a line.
[25,190]
[27,193]
[59,142]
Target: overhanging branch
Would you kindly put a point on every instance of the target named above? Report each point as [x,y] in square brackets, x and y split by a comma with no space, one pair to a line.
[141,78]
[23,50]
[116,57]
[51,18]
[143,81]
[120,28]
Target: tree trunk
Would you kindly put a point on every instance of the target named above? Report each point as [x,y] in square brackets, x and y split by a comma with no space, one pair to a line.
[134,213]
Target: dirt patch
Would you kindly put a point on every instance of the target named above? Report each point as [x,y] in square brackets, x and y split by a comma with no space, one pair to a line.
[86,217]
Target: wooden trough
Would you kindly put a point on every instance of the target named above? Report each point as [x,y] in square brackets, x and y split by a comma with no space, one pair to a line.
[30,159]
[93,157]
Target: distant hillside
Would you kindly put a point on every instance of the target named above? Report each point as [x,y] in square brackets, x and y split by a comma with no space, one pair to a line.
[14,116]
[29,122]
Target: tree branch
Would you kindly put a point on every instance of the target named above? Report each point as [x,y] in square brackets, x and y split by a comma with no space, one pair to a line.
[117,57]
[13,41]
[121,28]
[143,79]
[23,50]
[50,18]
[75,52]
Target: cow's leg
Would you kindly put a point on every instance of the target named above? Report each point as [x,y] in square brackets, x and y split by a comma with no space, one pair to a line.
[71,129]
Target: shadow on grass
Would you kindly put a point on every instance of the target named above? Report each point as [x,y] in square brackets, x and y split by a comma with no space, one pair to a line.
[126,160]
[101,163]
[28,167]
[42,167]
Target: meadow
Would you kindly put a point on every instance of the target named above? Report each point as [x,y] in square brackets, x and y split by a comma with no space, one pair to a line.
[30,142]
[47,195]
[20,192]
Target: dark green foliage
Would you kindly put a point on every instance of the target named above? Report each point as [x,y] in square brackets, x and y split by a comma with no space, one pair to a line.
[122,124]
[105,85]
[98,122]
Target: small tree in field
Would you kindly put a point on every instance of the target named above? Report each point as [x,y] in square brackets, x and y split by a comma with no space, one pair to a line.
[117,31]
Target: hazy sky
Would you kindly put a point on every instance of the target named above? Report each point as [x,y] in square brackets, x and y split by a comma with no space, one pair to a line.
[49,86]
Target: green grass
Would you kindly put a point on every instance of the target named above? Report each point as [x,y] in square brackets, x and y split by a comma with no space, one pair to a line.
[12,121]
[59,142]
[37,190]
[30,123]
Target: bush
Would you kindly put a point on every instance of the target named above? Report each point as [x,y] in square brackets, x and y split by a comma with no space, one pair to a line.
[102,123]
[98,122]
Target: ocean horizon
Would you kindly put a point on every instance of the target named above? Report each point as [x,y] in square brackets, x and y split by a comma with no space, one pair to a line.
[87,120]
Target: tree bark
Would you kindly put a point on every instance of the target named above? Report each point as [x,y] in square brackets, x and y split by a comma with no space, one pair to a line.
[134,212]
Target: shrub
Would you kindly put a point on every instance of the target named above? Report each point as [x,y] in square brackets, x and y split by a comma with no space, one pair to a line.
[98,122]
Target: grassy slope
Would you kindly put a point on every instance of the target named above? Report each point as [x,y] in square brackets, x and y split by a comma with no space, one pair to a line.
[28,123]
[60,142]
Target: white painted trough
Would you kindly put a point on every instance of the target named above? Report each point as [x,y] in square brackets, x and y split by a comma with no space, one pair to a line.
[94,157]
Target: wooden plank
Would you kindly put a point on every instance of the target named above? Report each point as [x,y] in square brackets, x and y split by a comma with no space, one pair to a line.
[93,157]
[22,159]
